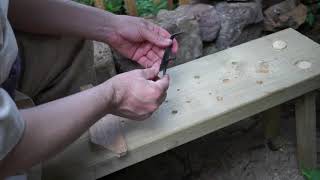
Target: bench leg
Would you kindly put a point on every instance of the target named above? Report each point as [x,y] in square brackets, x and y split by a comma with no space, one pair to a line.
[271,119]
[305,110]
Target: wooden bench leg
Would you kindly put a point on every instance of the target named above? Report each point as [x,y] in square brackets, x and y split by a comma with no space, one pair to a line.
[271,118]
[306,130]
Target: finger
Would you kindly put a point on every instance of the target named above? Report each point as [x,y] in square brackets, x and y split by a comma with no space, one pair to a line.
[158,51]
[163,83]
[141,51]
[144,61]
[164,33]
[143,117]
[153,35]
[175,46]
[150,73]
[163,98]
[153,56]
[156,66]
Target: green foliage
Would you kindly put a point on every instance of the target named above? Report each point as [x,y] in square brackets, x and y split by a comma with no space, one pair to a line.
[114,6]
[144,7]
[148,7]
[310,17]
[86,2]
[311,174]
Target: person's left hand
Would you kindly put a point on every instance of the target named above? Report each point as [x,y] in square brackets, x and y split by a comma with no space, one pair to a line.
[140,40]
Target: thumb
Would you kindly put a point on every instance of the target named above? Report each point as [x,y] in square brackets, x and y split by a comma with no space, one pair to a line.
[149,73]
[155,38]
[163,83]
[156,66]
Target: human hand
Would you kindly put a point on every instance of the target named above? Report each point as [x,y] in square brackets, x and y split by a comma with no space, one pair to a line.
[140,40]
[137,94]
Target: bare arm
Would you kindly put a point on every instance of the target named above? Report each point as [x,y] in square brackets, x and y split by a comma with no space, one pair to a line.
[53,126]
[60,17]
[133,37]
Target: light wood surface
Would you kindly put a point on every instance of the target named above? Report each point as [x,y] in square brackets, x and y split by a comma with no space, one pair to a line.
[205,95]
[107,133]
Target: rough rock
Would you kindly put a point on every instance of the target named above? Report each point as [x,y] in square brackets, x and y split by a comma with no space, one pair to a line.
[190,43]
[249,33]
[235,17]
[268,3]
[285,14]
[103,62]
[206,15]
[209,48]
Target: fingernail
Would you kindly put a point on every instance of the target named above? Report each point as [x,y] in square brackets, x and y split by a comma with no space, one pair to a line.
[168,41]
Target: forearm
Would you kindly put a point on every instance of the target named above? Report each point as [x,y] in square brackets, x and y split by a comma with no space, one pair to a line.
[61,17]
[53,126]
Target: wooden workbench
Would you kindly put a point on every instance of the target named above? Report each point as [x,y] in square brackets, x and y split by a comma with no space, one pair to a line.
[208,94]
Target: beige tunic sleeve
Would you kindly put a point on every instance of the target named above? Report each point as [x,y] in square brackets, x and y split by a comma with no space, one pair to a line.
[11,124]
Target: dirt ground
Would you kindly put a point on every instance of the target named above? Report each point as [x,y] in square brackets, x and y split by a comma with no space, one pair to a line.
[238,152]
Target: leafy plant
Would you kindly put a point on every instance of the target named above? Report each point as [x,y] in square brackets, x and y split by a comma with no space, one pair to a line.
[86,2]
[150,7]
[114,6]
[144,7]
[311,18]
[311,174]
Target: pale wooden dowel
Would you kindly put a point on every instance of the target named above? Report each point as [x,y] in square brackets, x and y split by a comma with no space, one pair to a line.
[182,2]
[99,4]
[131,7]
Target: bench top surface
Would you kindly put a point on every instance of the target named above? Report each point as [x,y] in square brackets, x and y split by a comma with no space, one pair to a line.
[205,95]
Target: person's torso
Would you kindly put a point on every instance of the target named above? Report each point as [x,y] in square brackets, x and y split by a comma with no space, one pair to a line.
[8,44]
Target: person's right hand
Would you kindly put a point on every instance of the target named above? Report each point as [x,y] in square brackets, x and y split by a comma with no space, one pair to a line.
[136,94]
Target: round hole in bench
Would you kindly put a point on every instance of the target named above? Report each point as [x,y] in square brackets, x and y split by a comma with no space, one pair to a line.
[279,44]
[303,64]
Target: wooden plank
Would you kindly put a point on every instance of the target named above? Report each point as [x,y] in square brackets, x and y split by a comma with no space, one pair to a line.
[108,134]
[131,7]
[182,2]
[306,131]
[205,95]
[99,4]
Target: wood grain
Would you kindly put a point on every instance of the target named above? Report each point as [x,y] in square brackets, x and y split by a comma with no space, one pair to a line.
[108,134]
